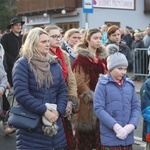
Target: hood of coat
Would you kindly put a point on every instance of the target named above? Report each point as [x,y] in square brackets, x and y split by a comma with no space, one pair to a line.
[81,49]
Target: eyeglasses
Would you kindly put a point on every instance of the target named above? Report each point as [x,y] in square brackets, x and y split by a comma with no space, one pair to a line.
[56,37]
[76,37]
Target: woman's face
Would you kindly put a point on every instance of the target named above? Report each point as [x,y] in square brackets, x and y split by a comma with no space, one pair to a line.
[115,37]
[95,40]
[43,44]
[55,38]
[73,39]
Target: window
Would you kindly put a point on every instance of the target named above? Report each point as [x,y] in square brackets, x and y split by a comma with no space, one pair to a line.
[112,23]
[68,25]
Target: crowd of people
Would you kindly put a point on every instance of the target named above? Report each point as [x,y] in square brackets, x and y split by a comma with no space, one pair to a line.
[82,72]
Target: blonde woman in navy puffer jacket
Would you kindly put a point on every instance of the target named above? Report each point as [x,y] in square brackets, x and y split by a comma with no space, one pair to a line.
[38,79]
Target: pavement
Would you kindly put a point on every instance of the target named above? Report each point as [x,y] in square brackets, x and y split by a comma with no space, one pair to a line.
[138,85]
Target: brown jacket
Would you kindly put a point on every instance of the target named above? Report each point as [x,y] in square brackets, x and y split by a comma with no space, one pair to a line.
[85,94]
[71,82]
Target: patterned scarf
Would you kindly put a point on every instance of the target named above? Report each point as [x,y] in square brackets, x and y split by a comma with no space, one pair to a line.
[69,50]
[40,65]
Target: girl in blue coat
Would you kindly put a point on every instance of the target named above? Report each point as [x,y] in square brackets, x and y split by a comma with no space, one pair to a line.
[38,79]
[116,104]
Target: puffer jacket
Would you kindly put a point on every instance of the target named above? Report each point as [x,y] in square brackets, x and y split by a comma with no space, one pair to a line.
[28,94]
[145,103]
[116,104]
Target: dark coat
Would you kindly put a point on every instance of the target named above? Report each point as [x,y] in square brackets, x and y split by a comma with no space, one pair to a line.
[11,44]
[137,44]
[145,101]
[128,39]
[28,94]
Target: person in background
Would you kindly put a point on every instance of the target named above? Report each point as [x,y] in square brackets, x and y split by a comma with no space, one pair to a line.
[145,108]
[138,57]
[41,82]
[3,78]
[89,63]
[82,32]
[11,43]
[114,37]
[127,36]
[4,104]
[71,37]
[73,102]
[116,103]
[104,32]
[146,38]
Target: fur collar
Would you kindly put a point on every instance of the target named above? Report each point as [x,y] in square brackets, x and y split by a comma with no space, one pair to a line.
[81,49]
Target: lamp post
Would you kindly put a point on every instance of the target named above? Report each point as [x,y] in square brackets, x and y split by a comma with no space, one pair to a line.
[87,8]
[86,21]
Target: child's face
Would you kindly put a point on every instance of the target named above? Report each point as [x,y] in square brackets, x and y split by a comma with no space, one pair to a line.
[118,72]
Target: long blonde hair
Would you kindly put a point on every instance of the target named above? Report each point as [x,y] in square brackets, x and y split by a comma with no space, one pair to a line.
[30,45]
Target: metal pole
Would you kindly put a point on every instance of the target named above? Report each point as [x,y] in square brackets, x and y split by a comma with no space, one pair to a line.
[86,21]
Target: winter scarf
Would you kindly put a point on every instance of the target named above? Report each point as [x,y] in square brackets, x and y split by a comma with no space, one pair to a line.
[40,65]
[62,62]
[69,50]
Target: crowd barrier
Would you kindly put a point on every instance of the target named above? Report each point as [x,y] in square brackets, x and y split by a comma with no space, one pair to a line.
[140,62]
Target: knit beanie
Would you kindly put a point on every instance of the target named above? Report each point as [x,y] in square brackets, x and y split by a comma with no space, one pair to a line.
[115,58]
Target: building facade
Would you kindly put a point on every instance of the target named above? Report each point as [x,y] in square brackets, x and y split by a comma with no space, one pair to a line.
[69,13]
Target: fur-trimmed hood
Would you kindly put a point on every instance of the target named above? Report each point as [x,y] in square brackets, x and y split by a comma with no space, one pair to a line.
[83,50]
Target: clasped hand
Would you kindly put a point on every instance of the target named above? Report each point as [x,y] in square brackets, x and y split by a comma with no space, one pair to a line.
[122,132]
[51,116]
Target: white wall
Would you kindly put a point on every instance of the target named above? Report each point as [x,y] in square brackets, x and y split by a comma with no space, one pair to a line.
[133,18]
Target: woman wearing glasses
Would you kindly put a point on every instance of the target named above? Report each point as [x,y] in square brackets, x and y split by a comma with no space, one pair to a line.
[63,59]
[71,38]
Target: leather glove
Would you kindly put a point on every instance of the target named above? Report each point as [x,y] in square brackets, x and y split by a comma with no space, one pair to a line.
[121,133]
[129,128]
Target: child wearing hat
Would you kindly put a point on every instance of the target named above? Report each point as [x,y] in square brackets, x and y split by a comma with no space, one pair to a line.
[116,103]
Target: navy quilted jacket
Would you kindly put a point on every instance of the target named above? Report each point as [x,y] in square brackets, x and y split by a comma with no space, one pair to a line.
[116,104]
[28,94]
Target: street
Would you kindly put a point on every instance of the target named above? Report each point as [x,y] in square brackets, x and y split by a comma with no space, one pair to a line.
[8,142]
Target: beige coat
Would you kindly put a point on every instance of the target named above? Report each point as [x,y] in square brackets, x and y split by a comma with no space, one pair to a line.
[71,83]
[86,116]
